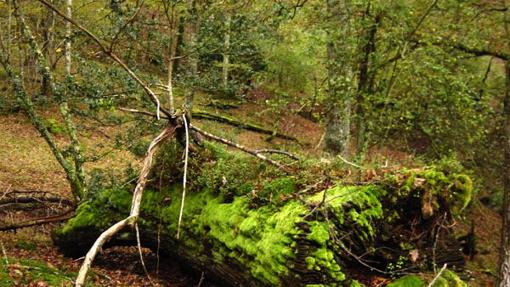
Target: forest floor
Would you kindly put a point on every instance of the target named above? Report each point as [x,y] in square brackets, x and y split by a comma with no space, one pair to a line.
[27,164]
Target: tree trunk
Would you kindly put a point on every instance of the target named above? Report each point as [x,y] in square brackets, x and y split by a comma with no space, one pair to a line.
[364,80]
[246,231]
[338,125]
[504,272]
[226,52]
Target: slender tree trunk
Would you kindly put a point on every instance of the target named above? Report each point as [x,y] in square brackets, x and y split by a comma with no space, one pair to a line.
[9,26]
[190,31]
[226,52]
[504,272]
[69,13]
[47,48]
[364,82]
[340,76]
[173,22]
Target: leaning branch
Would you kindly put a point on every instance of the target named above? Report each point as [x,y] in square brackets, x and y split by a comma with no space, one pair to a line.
[233,122]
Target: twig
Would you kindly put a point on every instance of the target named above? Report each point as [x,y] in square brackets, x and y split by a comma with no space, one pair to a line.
[202,277]
[135,206]
[437,276]
[184,177]
[278,152]
[4,253]
[139,245]
[350,163]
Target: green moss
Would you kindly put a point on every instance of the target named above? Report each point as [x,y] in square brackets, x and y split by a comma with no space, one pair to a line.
[355,283]
[432,184]
[408,281]
[449,279]
[358,204]
[319,233]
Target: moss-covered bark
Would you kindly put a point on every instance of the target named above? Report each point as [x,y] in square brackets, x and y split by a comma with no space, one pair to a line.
[247,226]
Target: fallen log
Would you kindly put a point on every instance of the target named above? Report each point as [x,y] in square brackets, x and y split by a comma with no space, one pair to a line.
[247,224]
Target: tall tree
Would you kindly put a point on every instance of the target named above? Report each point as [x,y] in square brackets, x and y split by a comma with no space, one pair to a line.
[340,77]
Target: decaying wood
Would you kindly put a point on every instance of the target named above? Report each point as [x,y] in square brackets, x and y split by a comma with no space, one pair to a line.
[276,151]
[208,116]
[135,206]
[27,197]
[252,239]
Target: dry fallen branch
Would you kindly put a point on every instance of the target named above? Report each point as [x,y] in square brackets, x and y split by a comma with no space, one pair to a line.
[135,206]
[28,197]
[39,221]
[186,153]
[207,116]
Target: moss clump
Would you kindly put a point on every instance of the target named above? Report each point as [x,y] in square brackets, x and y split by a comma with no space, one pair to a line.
[432,185]
[408,281]
[449,279]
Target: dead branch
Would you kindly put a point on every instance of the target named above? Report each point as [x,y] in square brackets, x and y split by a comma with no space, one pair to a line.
[238,146]
[135,206]
[186,152]
[234,122]
[39,221]
[27,197]
[278,152]
[437,276]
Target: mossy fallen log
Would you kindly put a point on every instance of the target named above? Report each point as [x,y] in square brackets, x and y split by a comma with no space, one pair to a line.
[246,225]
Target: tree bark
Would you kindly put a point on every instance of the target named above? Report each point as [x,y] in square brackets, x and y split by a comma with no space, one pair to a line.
[340,78]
